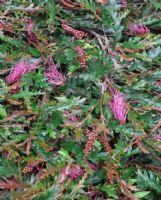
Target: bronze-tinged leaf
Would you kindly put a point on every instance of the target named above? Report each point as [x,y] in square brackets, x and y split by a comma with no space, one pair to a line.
[11,184]
[7,28]
[126,58]
[14,102]
[42,38]
[45,146]
[49,170]
[17,114]
[28,146]
[125,189]
[9,58]
[4,71]
[122,50]
[130,79]
[14,87]
[149,167]
[102,1]
[141,147]
[156,127]
[51,45]
[67,4]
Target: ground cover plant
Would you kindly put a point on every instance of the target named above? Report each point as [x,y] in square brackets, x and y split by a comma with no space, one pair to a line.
[80,100]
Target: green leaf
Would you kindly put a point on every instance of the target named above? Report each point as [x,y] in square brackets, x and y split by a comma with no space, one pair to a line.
[70,54]
[52,11]
[5,132]
[141,194]
[8,168]
[110,190]
[50,194]
[64,153]
[3,113]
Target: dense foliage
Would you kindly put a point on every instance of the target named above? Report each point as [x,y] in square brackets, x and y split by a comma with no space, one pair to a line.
[80,99]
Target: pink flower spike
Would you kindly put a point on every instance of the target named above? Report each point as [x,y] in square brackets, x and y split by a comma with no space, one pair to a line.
[70,171]
[119,107]
[17,72]
[20,69]
[138,29]
[76,171]
[92,166]
[75,119]
[33,66]
[53,76]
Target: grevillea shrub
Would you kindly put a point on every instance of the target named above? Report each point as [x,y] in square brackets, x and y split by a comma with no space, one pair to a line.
[80,103]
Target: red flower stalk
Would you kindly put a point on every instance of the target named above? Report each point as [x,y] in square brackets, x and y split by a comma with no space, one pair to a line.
[76,33]
[119,107]
[19,70]
[29,29]
[105,143]
[138,29]
[81,56]
[53,76]
[33,66]
[92,136]
[74,119]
